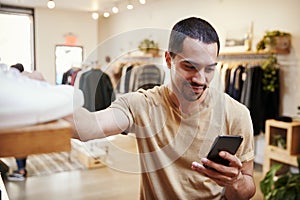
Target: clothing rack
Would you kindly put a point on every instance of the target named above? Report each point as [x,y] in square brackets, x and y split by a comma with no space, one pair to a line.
[242,76]
[247,59]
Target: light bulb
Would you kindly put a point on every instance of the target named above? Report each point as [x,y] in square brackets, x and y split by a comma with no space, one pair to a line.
[142,1]
[95,15]
[115,9]
[51,4]
[129,6]
[106,14]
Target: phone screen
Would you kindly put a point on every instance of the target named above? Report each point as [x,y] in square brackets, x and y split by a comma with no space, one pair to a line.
[229,143]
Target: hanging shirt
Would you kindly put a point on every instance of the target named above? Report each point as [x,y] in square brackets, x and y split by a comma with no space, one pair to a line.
[97,90]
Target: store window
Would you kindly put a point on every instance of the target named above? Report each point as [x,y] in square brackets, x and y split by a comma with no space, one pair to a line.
[67,59]
[17,36]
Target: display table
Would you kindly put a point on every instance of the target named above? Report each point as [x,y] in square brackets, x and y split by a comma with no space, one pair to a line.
[54,136]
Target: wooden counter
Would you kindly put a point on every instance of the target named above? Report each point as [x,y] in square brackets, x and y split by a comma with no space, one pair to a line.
[48,137]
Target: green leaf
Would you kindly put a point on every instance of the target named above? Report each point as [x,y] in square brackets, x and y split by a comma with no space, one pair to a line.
[282,181]
[286,187]
[280,194]
[267,183]
[290,194]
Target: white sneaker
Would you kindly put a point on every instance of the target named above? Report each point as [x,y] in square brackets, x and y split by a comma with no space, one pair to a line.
[16,176]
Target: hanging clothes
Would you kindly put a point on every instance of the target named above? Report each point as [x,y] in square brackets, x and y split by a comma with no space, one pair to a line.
[262,104]
[246,90]
[73,77]
[97,90]
[147,76]
[256,106]
[123,85]
[244,83]
[135,76]
[67,78]
[236,82]
[127,86]
[271,102]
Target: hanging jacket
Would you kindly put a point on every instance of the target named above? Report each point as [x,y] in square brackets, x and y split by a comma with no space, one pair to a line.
[97,90]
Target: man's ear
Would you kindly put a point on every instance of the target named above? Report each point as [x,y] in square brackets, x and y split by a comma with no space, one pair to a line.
[168,59]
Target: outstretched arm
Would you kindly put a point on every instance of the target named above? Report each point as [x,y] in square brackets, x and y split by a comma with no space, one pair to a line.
[92,125]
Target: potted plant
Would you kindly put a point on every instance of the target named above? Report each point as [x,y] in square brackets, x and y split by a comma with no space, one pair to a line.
[285,186]
[275,41]
[149,46]
[279,141]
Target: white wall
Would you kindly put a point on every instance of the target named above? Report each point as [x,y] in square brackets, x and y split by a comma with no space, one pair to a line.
[50,28]
[226,16]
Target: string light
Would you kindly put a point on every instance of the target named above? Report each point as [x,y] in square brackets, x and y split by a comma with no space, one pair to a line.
[115,9]
[95,15]
[142,1]
[129,6]
[106,14]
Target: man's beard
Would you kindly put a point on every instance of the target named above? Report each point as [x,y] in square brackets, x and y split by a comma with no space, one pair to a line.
[188,91]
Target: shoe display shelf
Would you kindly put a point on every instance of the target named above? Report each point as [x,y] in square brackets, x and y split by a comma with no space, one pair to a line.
[281,144]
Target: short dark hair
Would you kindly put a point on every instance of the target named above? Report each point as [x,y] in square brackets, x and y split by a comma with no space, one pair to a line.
[195,28]
[18,66]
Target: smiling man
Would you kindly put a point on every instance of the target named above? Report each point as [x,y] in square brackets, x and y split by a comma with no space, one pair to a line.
[175,124]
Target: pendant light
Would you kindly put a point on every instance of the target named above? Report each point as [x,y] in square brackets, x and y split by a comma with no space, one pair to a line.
[129,6]
[106,14]
[95,15]
[115,9]
[51,4]
[142,2]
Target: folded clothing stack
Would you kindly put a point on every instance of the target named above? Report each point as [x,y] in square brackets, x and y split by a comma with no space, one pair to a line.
[26,101]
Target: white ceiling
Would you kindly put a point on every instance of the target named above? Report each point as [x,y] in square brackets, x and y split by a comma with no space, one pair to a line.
[79,5]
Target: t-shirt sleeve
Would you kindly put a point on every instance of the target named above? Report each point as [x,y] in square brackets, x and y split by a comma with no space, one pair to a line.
[240,123]
[247,148]
[123,103]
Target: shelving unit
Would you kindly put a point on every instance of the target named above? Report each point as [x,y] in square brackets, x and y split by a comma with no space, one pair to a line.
[282,58]
[286,154]
[247,55]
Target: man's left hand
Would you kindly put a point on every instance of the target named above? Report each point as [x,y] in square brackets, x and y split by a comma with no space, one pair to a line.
[221,174]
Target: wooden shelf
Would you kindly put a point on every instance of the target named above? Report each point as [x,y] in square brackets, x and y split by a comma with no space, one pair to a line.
[288,155]
[244,55]
[248,55]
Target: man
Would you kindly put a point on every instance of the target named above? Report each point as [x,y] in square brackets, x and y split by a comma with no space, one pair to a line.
[175,124]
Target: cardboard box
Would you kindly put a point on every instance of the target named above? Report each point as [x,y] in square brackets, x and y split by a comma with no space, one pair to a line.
[91,155]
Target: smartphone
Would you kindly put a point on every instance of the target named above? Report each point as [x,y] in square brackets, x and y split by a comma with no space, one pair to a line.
[229,143]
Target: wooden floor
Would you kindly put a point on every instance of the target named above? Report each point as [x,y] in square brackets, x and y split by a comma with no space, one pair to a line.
[102,183]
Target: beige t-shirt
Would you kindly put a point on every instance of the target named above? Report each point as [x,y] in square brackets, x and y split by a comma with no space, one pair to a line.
[169,141]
